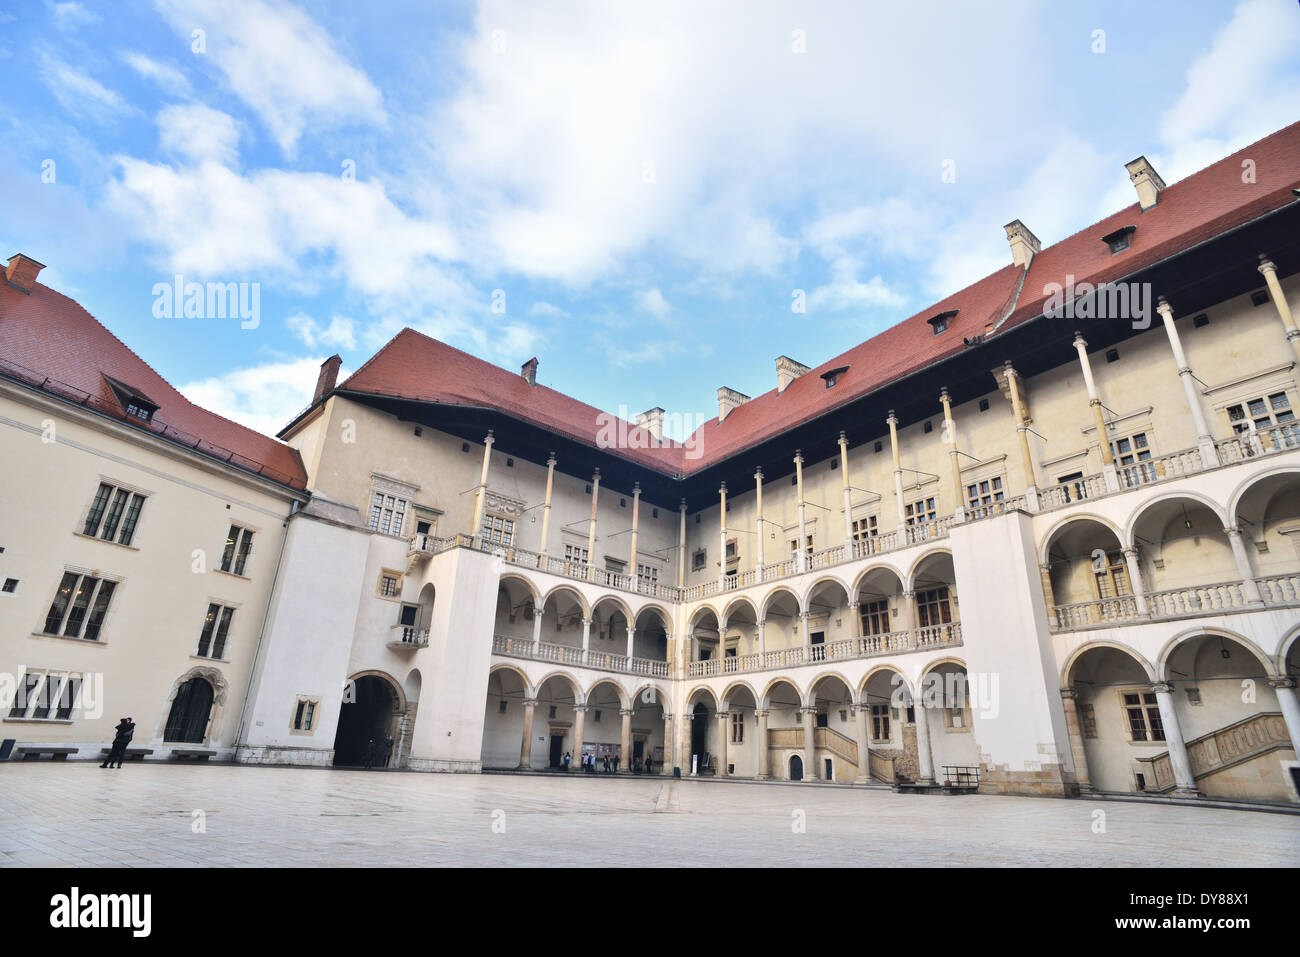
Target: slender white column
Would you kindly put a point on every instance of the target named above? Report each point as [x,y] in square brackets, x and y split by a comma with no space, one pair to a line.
[855,613]
[1269,272]
[681,549]
[546,508]
[631,641]
[762,636]
[864,761]
[625,742]
[1094,401]
[763,767]
[631,561]
[1289,704]
[579,723]
[1022,432]
[591,529]
[724,718]
[807,638]
[954,457]
[482,485]
[586,637]
[1184,783]
[670,745]
[526,745]
[1209,455]
[760,530]
[923,757]
[801,555]
[809,745]
[1249,587]
[1135,580]
[722,536]
[848,496]
[537,628]
[898,468]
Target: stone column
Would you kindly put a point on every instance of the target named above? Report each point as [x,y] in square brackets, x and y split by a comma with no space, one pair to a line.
[670,746]
[586,638]
[537,628]
[546,507]
[809,745]
[526,746]
[801,555]
[1269,272]
[625,742]
[855,613]
[764,771]
[681,548]
[807,638]
[1249,587]
[1094,401]
[1289,705]
[722,536]
[907,614]
[482,485]
[1209,455]
[848,496]
[758,521]
[631,643]
[1045,575]
[684,740]
[864,753]
[579,722]
[631,560]
[954,457]
[762,637]
[898,467]
[591,528]
[1135,581]
[1184,782]
[923,757]
[1075,730]
[723,727]
[1022,432]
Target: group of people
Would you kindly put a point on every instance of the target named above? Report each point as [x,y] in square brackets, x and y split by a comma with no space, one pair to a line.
[608,763]
[379,753]
[123,734]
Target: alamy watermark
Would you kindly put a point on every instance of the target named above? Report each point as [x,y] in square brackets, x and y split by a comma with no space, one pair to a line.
[614,431]
[1108,300]
[179,299]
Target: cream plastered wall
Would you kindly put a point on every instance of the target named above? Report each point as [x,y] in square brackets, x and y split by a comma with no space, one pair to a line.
[166,577]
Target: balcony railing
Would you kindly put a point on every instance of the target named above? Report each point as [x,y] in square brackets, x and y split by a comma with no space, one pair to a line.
[1187,601]
[516,647]
[408,636]
[1249,445]
[869,646]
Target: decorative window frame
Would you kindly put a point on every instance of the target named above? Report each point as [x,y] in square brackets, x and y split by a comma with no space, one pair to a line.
[401,583]
[389,485]
[140,522]
[314,700]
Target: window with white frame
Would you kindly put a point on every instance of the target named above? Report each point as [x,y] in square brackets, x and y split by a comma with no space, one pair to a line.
[497,530]
[647,576]
[1133,454]
[46,696]
[1143,714]
[215,632]
[387,513]
[981,495]
[864,528]
[79,606]
[234,556]
[575,554]
[113,514]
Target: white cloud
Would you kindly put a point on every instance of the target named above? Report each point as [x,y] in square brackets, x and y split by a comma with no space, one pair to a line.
[165,75]
[281,63]
[79,93]
[263,397]
[71,15]
[198,133]
[653,302]
[338,334]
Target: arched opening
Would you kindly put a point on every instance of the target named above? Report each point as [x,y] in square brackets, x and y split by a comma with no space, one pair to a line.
[783,702]
[1268,516]
[829,622]
[835,748]
[1118,718]
[706,642]
[562,622]
[782,629]
[741,635]
[516,612]
[699,735]
[557,700]
[948,698]
[651,640]
[882,610]
[1186,557]
[891,726]
[187,722]
[647,733]
[796,768]
[602,737]
[504,722]
[1088,576]
[368,722]
[610,630]
[934,597]
[742,731]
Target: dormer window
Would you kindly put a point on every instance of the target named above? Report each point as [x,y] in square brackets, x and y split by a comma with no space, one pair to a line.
[134,403]
[1120,239]
[940,322]
[833,376]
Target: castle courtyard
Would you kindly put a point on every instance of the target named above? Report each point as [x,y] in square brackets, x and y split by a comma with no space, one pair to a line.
[152,815]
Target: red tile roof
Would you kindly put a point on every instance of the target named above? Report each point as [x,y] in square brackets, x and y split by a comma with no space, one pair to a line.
[49,341]
[1190,211]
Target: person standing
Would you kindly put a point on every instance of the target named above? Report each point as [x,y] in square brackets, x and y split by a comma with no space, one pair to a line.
[370,755]
[125,731]
[388,750]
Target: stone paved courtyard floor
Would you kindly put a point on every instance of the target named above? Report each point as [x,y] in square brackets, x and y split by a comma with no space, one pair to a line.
[74,814]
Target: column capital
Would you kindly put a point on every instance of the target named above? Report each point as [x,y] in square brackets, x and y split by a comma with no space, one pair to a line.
[1162,687]
[943,394]
[758,474]
[722,489]
[798,456]
[891,419]
[853,603]
[1079,341]
[1266,265]
[625,712]
[595,476]
[1231,530]
[844,439]
[530,702]
[1130,551]
[580,708]
[761,622]
[550,460]
[805,615]
[1069,693]
[761,713]
[1284,682]
[636,489]
[490,438]
[682,507]
[724,714]
[1009,370]
[1163,307]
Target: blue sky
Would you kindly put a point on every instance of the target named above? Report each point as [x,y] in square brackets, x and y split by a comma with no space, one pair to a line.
[631,191]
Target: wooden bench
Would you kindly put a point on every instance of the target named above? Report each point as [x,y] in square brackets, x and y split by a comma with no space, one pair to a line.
[197,754]
[132,754]
[34,752]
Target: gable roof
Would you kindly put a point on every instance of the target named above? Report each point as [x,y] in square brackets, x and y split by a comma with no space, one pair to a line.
[50,342]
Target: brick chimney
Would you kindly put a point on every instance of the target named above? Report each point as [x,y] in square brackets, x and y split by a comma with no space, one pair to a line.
[329,375]
[728,401]
[787,370]
[22,271]
[652,420]
[1146,180]
[1024,244]
[529,371]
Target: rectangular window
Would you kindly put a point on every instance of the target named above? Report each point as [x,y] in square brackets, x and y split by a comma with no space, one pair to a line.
[737,727]
[497,530]
[304,715]
[113,514]
[1143,716]
[1112,580]
[807,546]
[880,722]
[390,584]
[698,560]
[864,528]
[77,596]
[1134,455]
[387,513]
[215,631]
[43,696]
[575,554]
[980,496]
[234,556]
[920,512]
[933,607]
[875,617]
[647,576]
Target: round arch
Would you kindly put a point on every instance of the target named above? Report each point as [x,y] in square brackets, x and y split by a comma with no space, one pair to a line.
[1060,525]
[1183,637]
[726,693]
[568,679]
[766,604]
[702,610]
[690,696]
[658,695]
[529,690]
[765,701]
[618,603]
[513,576]
[806,599]
[1246,485]
[881,669]
[731,606]
[623,700]
[1067,669]
[947,660]
[1284,648]
[572,593]
[392,682]
[878,567]
[839,676]
[656,609]
[1141,510]
[910,581]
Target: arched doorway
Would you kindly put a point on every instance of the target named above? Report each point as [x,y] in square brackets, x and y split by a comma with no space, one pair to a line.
[700,730]
[187,722]
[796,768]
[370,715]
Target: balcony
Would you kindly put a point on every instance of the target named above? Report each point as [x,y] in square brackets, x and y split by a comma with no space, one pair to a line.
[407,638]
[515,647]
[869,646]
[1276,591]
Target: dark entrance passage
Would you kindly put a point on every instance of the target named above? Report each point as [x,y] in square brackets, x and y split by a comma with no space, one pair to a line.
[699,733]
[557,750]
[191,708]
[796,768]
[369,717]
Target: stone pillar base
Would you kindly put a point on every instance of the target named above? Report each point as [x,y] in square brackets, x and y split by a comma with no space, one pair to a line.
[1047,781]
